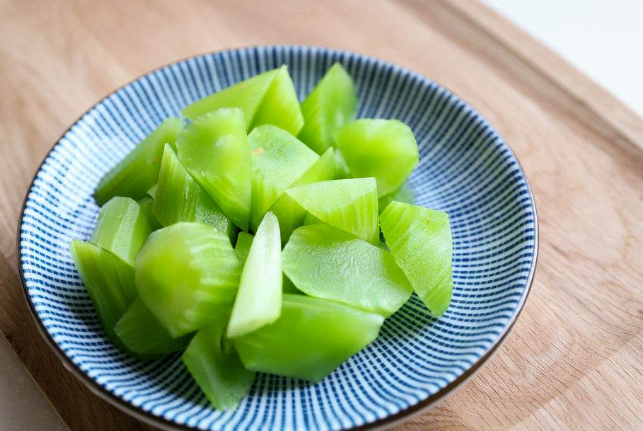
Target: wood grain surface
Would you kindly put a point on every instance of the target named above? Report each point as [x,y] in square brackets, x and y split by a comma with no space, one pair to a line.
[575,358]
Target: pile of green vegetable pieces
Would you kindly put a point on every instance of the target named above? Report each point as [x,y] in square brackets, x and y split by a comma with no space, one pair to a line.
[313,285]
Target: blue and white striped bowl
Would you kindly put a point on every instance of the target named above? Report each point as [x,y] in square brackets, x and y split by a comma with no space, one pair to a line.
[465,169]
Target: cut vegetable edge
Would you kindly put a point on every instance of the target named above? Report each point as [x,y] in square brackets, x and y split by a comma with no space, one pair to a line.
[109,282]
[327,107]
[432,243]
[353,207]
[299,344]
[258,300]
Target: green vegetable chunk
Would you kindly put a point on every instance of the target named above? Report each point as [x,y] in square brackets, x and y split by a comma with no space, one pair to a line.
[258,301]
[242,248]
[179,198]
[278,160]
[136,173]
[331,104]
[328,263]
[122,228]
[310,339]
[268,98]
[384,149]
[280,106]
[214,150]
[290,214]
[147,208]
[215,365]
[187,274]
[350,205]
[143,335]
[246,95]
[420,240]
[109,282]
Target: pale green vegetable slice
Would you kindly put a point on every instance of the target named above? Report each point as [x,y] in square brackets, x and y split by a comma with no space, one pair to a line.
[291,215]
[137,172]
[420,240]
[311,338]
[246,95]
[122,228]
[187,274]
[179,198]
[278,160]
[331,103]
[384,149]
[350,205]
[214,150]
[109,282]
[258,301]
[280,106]
[215,365]
[268,98]
[328,263]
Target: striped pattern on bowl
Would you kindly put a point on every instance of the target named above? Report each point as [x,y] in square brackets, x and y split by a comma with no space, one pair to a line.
[465,169]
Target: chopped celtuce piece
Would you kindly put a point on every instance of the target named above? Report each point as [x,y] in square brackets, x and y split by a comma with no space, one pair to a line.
[143,335]
[402,194]
[214,150]
[280,106]
[384,149]
[290,214]
[242,248]
[108,280]
[278,160]
[213,362]
[147,207]
[328,263]
[187,275]
[180,199]
[310,339]
[258,301]
[135,174]
[331,104]
[246,95]
[122,228]
[268,98]
[420,241]
[350,205]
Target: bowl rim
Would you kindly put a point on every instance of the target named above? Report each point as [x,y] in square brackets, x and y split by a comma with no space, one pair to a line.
[379,424]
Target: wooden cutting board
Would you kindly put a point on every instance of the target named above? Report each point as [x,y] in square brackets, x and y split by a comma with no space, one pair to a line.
[574,360]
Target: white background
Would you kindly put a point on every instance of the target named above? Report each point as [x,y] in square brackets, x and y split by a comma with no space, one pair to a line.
[604,39]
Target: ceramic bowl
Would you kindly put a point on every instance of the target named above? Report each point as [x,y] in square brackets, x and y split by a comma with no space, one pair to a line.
[465,169]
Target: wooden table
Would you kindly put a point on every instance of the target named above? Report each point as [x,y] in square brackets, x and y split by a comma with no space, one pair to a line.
[575,358]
